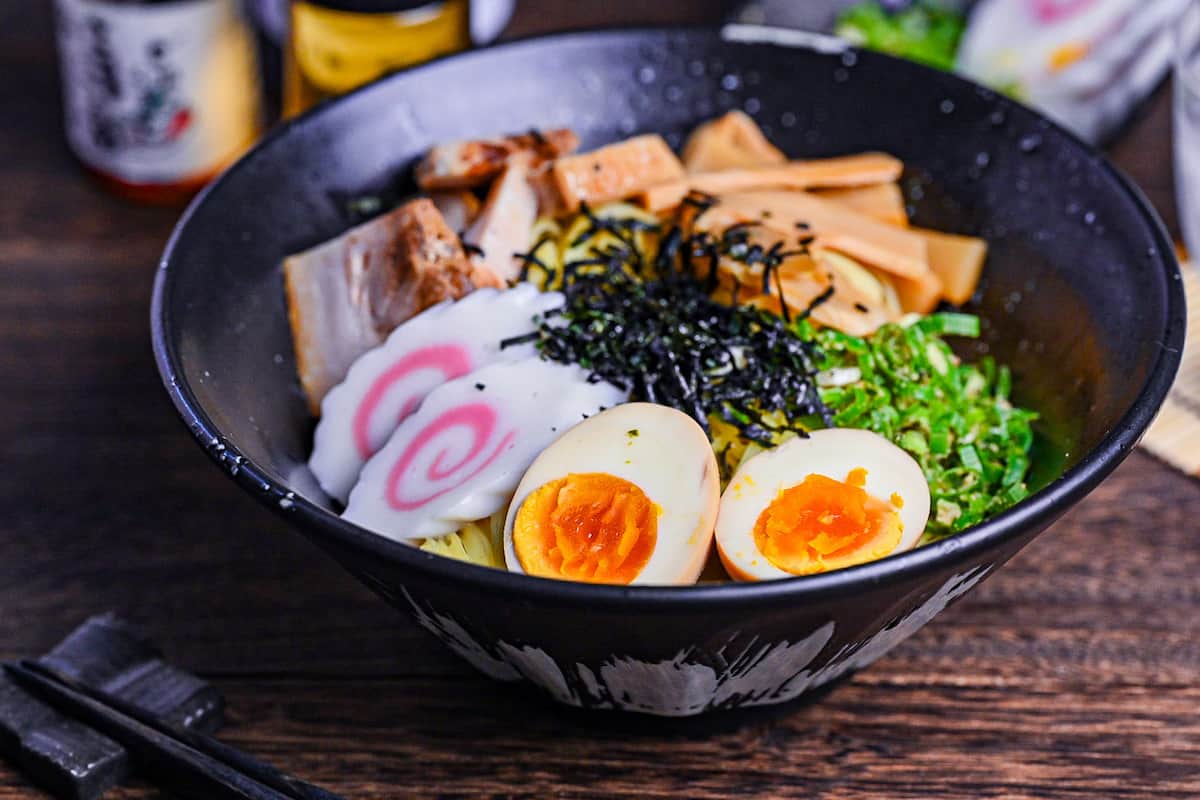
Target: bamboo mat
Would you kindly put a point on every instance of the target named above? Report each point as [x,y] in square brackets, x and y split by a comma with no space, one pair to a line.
[1174,436]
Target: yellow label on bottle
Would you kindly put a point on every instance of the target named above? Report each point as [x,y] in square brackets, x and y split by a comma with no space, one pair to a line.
[336,51]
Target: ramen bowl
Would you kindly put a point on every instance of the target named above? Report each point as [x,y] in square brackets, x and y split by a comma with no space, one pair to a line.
[1081,296]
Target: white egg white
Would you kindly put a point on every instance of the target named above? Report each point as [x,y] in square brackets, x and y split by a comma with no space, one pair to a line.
[834,453]
[664,453]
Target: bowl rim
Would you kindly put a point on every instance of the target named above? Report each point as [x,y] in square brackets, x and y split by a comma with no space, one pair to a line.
[1034,512]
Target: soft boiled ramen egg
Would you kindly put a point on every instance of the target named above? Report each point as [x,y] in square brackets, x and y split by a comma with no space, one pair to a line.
[627,496]
[837,498]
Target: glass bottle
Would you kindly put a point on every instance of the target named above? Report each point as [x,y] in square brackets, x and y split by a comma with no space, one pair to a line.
[337,45]
[159,95]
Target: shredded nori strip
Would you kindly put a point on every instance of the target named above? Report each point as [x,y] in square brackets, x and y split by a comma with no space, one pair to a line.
[531,259]
[512,341]
[700,201]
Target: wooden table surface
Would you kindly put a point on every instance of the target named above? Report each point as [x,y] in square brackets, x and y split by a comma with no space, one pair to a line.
[1072,673]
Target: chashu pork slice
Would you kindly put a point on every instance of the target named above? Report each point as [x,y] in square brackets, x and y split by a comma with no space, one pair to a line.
[505,225]
[466,164]
[459,208]
[346,295]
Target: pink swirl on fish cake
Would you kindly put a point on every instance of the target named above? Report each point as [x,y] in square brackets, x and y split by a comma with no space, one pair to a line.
[451,359]
[481,419]
[1056,10]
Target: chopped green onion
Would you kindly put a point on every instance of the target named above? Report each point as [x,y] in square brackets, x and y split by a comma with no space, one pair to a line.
[924,31]
[955,419]
[1015,494]
[975,384]
[948,323]
[1003,383]
[946,512]
[970,458]
[914,442]
[937,359]
[1018,465]
[939,441]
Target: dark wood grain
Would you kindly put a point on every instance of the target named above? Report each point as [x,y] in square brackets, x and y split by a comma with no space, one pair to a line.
[1072,673]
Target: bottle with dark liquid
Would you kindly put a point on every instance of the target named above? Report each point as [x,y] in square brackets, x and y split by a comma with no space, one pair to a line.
[159,95]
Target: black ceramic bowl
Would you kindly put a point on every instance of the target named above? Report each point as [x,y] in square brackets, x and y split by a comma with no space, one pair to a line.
[1081,295]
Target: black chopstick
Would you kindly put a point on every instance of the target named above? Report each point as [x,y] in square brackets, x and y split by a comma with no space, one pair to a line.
[184,761]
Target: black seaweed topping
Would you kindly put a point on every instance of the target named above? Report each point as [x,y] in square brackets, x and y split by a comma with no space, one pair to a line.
[531,259]
[700,201]
[661,334]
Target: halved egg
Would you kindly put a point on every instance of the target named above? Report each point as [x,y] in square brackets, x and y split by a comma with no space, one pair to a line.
[835,499]
[627,496]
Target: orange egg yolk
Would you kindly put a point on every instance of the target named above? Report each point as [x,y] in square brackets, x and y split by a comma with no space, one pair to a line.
[821,524]
[591,527]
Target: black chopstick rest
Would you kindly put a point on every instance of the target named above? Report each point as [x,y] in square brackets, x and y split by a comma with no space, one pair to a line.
[203,744]
[101,648]
[175,764]
[110,654]
[170,693]
[65,757]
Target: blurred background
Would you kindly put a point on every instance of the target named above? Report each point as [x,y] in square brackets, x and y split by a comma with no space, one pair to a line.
[160,95]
